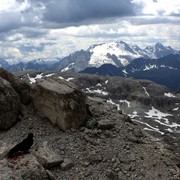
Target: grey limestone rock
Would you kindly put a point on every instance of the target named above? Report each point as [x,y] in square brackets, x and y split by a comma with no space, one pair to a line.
[61,102]
[47,157]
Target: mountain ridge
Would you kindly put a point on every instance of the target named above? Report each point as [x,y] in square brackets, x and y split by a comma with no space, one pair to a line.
[165,70]
[117,53]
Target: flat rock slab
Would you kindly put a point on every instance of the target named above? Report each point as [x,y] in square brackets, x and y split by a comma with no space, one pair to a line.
[47,157]
[106,124]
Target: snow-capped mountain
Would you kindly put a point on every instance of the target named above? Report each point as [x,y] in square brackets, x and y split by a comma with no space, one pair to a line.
[158,51]
[118,54]
[107,53]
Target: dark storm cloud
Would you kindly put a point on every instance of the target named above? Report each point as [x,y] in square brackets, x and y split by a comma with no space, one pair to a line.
[9,21]
[63,13]
[33,32]
[68,11]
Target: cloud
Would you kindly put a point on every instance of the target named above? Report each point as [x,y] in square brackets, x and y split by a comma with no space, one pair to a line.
[68,12]
[26,15]
[17,14]
[9,21]
[145,20]
[31,29]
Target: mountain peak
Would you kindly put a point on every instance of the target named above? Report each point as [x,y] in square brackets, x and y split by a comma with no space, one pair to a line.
[159,45]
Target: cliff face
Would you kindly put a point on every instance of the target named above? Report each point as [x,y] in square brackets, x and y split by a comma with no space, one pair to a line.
[109,144]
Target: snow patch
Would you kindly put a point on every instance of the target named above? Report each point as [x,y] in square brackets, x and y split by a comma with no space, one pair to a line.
[159,117]
[60,77]
[33,80]
[175,109]
[69,79]
[111,102]
[99,91]
[149,67]
[49,75]
[145,91]
[150,128]
[155,113]
[125,72]
[67,68]
[169,95]
[98,84]
[125,101]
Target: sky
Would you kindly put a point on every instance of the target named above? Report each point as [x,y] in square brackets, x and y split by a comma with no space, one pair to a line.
[32,29]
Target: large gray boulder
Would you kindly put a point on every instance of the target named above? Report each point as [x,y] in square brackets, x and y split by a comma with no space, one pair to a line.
[10,105]
[61,102]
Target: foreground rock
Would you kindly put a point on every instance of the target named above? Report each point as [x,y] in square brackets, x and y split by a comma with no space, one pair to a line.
[10,105]
[23,167]
[118,150]
[22,88]
[90,153]
[47,157]
[61,102]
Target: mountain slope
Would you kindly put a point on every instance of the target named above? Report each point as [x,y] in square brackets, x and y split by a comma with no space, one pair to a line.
[3,63]
[118,54]
[75,61]
[165,71]
[38,64]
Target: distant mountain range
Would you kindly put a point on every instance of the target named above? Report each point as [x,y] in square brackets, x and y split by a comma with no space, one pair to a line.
[37,64]
[165,70]
[157,63]
[4,64]
[118,54]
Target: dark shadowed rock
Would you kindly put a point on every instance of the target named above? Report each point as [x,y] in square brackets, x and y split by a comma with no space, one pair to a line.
[94,158]
[67,164]
[106,124]
[22,88]
[61,102]
[10,105]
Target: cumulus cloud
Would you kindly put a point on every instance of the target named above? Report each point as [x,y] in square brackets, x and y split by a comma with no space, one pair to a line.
[54,28]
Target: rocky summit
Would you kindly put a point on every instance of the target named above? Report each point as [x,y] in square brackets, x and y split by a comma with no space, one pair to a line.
[100,142]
